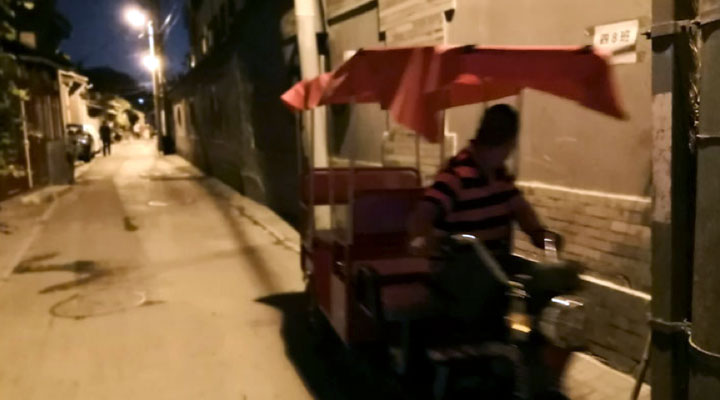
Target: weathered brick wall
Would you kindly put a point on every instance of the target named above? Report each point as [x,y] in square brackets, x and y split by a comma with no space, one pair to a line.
[233,124]
[610,235]
[617,324]
[412,23]
[400,149]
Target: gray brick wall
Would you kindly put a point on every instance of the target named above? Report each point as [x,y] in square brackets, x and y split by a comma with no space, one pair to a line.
[617,325]
[610,235]
[399,149]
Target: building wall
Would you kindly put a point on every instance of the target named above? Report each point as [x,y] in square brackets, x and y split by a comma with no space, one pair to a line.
[588,175]
[228,116]
[210,21]
[557,133]
[366,121]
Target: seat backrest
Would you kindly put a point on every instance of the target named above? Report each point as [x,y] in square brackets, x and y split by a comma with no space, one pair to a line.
[382,215]
[364,179]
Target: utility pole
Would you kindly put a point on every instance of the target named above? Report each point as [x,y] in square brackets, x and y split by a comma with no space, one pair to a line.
[156,40]
[675,105]
[26,143]
[307,17]
[148,20]
[315,127]
[155,83]
[705,337]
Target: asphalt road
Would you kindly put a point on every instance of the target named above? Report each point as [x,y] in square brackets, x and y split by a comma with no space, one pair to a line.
[143,285]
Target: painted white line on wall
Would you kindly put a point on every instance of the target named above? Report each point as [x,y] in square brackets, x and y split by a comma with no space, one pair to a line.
[614,286]
[594,193]
[604,283]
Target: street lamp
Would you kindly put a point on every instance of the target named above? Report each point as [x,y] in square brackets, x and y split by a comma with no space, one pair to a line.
[140,19]
[151,62]
[136,18]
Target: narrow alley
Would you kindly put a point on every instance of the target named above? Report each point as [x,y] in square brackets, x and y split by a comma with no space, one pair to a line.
[144,285]
[147,282]
[355,199]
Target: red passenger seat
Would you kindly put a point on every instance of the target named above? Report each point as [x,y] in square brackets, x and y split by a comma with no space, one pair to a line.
[331,186]
[380,244]
[380,220]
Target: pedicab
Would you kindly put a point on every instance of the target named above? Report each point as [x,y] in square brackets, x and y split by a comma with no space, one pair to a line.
[361,277]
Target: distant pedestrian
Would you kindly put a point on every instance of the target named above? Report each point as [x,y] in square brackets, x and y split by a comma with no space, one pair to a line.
[106,137]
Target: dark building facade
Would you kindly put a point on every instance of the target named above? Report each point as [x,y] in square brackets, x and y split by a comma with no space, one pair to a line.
[589,176]
[227,116]
[30,63]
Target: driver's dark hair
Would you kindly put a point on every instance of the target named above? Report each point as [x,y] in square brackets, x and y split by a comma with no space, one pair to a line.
[499,126]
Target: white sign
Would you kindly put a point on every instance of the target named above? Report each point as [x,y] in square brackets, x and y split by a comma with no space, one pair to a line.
[618,40]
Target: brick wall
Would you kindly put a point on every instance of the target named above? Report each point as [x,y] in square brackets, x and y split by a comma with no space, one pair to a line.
[233,124]
[412,23]
[400,149]
[610,235]
[617,324]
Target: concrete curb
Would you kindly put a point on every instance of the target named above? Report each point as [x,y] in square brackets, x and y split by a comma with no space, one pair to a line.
[45,195]
[259,214]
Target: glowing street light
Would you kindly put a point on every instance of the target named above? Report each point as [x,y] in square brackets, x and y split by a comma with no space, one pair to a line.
[136,18]
[145,20]
[151,62]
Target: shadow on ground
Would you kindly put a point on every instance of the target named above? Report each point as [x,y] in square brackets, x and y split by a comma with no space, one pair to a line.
[328,368]
[86,271]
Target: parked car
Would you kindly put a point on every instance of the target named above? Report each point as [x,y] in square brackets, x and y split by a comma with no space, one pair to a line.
[87,142]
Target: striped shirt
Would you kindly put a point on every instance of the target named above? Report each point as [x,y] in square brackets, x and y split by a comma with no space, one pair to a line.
[469,202]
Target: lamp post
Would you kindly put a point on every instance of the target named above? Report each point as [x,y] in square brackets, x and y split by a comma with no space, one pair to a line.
[142,20]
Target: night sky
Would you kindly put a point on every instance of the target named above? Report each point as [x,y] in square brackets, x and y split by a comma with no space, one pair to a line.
[100,37]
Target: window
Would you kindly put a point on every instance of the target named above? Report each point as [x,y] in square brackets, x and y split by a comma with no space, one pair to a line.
[178,116]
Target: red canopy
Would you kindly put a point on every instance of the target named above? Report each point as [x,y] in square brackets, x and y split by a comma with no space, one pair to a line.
[371,76]
[414,84]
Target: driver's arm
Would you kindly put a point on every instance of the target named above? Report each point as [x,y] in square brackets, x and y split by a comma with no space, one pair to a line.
[529,222]
[439,200]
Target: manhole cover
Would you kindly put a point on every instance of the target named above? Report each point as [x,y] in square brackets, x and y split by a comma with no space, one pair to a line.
[98,303]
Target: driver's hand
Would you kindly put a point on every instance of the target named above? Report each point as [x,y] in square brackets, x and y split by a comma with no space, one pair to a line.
[418,246]
[558,238]
[538,239]
[421,246]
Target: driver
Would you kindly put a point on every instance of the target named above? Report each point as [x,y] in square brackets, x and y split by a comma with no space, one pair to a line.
[475,194]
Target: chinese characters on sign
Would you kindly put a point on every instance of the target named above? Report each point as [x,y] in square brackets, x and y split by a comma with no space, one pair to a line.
[618,40]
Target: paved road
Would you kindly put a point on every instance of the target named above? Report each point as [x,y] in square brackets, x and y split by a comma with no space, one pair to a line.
[142,284]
